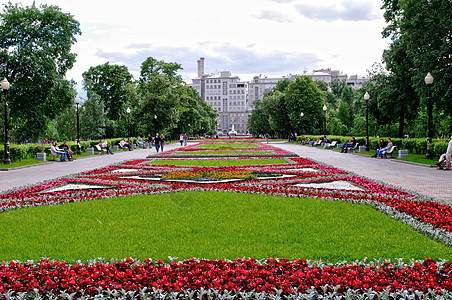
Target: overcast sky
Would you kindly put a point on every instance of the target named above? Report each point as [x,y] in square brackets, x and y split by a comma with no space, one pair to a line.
[246,37]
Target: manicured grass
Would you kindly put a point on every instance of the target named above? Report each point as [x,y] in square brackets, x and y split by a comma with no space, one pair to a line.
[229,145]
[219,162]
[22,163]
[416,158]
[210,225]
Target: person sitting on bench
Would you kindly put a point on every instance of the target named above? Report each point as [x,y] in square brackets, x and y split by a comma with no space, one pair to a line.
[57,151]
[445,157]
[104,145]
[123,144]
[380,152]
[350,144]
[68,150]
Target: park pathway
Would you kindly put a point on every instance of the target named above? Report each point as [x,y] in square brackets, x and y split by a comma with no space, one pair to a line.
[15,178]
[421,179]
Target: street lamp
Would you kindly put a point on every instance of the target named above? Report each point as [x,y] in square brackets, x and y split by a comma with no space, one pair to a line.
[366,98]
[128,123]
[301,115]
[79,149]
[429,82]
[324,123]
[155,122]
[5,87]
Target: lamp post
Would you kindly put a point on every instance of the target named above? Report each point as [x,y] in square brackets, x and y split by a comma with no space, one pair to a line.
[5,87]
[79,149]
[128,123]
[155,122]
[429,82]
[366,98]
[301,115]
[324,122]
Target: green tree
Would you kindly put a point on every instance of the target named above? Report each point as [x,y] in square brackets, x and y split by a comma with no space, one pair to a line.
[258,123]
[109,82]
[35,45]
[93,119]
[420,31]
[303,95]
[152,67]
[275,107]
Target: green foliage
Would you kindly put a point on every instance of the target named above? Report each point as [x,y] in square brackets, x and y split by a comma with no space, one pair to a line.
[92,119]
[109,83]
[35,45]
[420,31]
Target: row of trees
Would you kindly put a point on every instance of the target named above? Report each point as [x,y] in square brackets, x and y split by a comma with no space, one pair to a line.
[35,55]
[420,31]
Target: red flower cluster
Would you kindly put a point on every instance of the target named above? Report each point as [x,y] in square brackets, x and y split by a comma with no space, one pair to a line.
[234,276]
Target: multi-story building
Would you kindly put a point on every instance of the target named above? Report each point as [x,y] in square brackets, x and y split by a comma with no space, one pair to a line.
[356,81]
[258,87]
[227,94]
[234,99]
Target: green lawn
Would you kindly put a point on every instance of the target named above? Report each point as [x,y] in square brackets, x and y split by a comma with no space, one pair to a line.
[229,145]
[219,162]
[210,225]
[23,162]
[412,157]
[224,152]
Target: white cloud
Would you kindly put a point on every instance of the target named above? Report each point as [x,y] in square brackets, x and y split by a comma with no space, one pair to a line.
[272,37]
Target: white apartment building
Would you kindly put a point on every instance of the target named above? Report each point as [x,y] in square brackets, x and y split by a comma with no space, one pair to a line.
[227,94]
[234,99]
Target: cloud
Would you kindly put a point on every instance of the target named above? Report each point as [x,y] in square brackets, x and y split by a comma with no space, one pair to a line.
[219,57]
[345,11]
[273,16]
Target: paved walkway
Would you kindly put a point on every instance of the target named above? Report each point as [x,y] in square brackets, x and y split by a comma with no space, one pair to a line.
[15,178]
[421,179]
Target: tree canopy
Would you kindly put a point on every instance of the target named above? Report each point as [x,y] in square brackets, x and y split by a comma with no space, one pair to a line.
[35,54]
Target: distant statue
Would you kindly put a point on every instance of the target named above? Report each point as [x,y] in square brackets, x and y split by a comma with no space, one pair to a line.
[232,132]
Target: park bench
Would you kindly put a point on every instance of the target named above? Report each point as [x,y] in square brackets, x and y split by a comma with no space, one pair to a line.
[100,150]
[331,145]
[353,149]
[390,151]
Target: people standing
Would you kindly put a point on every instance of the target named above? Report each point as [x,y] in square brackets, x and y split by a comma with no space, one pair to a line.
[181,139]
[157,142]
[162,142]
[185,139]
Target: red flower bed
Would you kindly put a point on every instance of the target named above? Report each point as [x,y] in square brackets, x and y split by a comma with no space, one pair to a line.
[237,276]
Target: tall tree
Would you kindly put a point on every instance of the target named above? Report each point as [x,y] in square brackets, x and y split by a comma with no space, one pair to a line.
[421,42]
[35,54]
[109,82]
[303,95]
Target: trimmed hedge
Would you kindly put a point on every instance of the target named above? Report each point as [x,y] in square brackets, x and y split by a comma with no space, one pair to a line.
[17,152]
[417,145]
